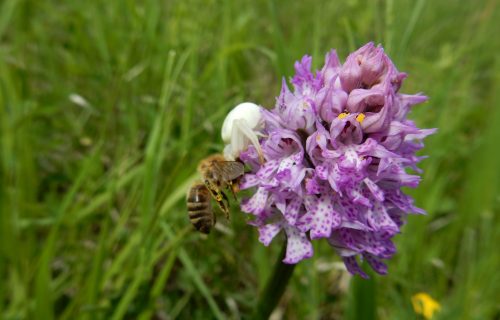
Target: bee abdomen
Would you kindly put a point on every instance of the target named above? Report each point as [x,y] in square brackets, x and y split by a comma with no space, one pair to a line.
[197,206]
[198,194]
[201,216]
[203,224]
[197,214]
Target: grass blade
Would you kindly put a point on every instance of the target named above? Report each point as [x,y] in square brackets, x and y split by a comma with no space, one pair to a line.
[195,275]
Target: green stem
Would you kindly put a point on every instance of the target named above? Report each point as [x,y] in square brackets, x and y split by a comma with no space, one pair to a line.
[275,287]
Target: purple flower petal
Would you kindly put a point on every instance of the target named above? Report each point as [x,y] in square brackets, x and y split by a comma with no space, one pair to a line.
[292,210]
[331,67]
[379,219]
[376,264]
[374,189]
[353,266]
[268,232]
[362,100]
[257,202]
[333,104]
[325,218]
[298,247]
[248,181]
[303,76]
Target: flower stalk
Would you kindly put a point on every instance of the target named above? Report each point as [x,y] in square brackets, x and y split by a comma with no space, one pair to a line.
[275,287]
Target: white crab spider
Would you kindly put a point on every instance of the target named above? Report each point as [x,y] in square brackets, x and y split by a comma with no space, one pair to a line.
[239,130]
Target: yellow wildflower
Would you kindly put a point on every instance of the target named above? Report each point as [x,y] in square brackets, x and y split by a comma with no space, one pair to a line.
[425,305]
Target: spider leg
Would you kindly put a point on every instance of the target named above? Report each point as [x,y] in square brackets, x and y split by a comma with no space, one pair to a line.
[242,126]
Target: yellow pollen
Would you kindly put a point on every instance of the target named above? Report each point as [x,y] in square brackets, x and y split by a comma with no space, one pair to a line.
[342,115]
[360,117]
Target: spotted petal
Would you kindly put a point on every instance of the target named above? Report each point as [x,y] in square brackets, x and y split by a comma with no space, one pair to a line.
[325,217]
[353,266]
[268,232]
[298,247]
[256,203]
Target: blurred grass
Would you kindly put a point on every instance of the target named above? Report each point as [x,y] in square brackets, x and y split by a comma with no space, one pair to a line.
[107,106]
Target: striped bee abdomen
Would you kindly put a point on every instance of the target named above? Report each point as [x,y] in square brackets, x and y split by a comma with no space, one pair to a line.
[199,208]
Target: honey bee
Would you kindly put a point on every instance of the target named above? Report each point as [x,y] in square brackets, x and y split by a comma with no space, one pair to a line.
[218,174]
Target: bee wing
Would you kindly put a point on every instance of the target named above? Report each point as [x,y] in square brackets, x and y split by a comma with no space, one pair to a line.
[229,170]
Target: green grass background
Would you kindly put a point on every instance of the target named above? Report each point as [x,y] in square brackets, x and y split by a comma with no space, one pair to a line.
[92,217]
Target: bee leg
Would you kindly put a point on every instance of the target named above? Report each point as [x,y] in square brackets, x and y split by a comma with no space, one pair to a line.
[234,189]
[223,205]
[219,198]
[226,205]
[213,191]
